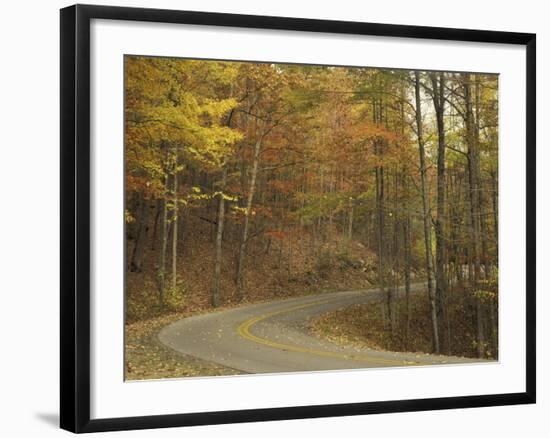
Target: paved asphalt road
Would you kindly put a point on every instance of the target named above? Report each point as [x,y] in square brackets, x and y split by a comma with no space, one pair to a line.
[274,337]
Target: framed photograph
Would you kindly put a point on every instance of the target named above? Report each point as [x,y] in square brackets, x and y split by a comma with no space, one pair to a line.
[268,218]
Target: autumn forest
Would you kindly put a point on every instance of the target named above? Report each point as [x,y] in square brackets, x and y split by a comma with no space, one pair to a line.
[253,182]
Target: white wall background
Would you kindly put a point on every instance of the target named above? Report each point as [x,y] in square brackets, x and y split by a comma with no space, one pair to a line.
[29,248]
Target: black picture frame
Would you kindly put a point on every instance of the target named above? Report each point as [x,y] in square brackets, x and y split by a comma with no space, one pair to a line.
[75,217]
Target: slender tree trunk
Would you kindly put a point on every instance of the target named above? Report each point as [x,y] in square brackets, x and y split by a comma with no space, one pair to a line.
[407,258]
[426,217]
[248,211]
[438,84]
[495,207]
[350,220]
[330,213]
[379,182]
[289,265]
[393,291]
[480,193]
[220,225]
[380,229]
[219,237]
[473,174]
[175,201]
[141,238]
[406,229]
[164,241]
[155,224]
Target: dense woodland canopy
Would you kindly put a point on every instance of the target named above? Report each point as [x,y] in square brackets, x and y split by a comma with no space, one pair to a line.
[233,168]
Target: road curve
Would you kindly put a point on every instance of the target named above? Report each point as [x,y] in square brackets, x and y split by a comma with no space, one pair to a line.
[274,337]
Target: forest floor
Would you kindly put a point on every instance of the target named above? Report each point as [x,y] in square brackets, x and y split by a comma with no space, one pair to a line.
[275,268]
[364,325]
[147,358]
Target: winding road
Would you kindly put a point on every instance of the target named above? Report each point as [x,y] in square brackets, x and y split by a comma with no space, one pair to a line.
[274,337]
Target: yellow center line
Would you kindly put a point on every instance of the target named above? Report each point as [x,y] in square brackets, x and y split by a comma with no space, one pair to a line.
[244,331]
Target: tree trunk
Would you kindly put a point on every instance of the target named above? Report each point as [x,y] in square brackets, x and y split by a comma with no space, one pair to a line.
[219,237]
[379,182]
[495,207]
[175,201]
[380,216]
[438,84]
[158,211]
[426,217]
[480,201]
[473,175]
[141,238]
[350,220]
[164,241]
[393,291]
[407,262]
[244,239]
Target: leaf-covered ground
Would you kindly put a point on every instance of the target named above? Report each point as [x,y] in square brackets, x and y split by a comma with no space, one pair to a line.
[147,358]
[271,272]
[365,325]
